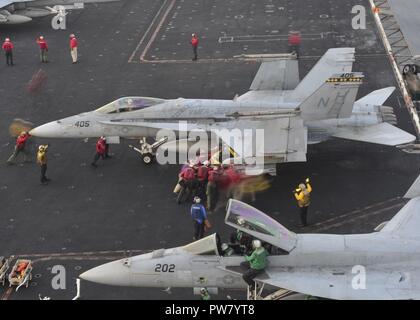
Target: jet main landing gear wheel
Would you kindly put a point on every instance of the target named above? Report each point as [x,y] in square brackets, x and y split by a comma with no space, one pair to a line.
[147,158]
[410,68]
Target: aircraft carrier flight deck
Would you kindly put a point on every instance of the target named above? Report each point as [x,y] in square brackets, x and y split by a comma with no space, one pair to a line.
[89,216]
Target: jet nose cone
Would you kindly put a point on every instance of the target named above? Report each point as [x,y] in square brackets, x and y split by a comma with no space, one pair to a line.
[48,130]
[115,273]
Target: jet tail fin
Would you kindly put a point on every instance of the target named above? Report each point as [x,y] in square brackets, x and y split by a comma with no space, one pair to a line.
[414,190]
[335,60]
[333,99]
[406,222]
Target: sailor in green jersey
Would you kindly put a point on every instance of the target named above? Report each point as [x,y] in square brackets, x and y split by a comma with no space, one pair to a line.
[205,294]
[255,263]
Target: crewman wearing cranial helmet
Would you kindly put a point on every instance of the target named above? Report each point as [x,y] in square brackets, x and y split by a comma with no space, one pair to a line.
[73,48]
[101,150]
[20,147]
[8,51]
[199,216]
[43,48]
[255,263]
[204,294]
[302,195]
[41,159]
[194,44]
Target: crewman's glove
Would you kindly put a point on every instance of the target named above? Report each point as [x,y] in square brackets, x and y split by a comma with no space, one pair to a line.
[307,180]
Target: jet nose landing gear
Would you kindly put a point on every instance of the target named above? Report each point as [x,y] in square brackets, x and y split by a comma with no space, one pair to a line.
[148,151]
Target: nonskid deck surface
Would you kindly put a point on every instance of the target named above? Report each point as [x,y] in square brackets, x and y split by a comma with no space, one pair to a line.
[86,217]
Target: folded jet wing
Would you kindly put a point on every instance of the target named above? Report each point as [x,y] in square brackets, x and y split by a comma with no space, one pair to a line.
[276,75]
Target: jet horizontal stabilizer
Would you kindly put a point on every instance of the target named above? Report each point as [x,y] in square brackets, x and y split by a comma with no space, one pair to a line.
[377,97]
[381,133]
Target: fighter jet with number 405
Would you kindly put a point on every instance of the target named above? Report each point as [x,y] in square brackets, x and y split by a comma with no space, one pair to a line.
[290,112]
[387,262]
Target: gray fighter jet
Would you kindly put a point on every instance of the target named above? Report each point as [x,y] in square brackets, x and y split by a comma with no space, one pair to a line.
[290,113]
[22,11]
[378,265]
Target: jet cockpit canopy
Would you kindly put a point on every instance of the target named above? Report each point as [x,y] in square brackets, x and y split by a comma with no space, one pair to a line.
[205,246]
[129,104]
[250,220]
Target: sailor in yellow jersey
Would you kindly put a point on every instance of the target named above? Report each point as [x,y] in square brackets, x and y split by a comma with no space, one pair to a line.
[41,158]
[302,195]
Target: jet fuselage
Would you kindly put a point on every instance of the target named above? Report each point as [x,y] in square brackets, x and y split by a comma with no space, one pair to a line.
[193,113]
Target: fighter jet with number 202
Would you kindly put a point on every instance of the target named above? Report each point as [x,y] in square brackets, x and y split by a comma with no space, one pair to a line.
[379,265]
[292,113]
